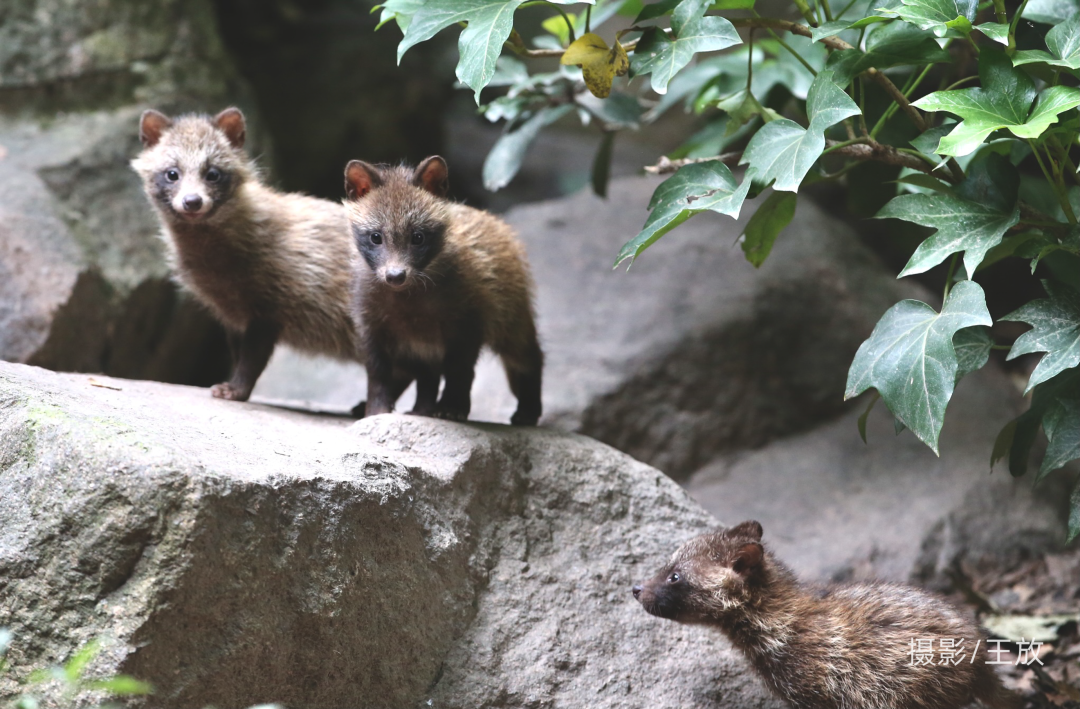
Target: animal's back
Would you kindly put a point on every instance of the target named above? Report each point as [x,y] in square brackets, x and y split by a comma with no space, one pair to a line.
[496,269]
[860,651]
[314,264]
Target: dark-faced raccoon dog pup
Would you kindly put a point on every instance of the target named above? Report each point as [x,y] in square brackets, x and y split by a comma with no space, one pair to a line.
[437,282]
[830,647]
[271,267]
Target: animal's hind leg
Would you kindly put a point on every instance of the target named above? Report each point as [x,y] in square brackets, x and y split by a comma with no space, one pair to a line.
[525,374]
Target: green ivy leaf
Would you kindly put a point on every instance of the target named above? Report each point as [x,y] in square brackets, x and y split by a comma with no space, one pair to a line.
[927,142]
[937,15]
[1017,437]
[972,346]
[1050,12]
[775,213]
[893,45]
[1003,101]
[656,9]
[400,11]
[480,43]
[961,225]
[742,107]
[695,188]
[973,219]
[506,156]
[910,359]
[996,32]
[1055,330]
[784,151]
[663,57]
[1062,426]
[1063,41]
[829,29]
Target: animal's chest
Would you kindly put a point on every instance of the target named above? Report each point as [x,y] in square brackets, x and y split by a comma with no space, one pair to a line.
[417,329]
[231,280]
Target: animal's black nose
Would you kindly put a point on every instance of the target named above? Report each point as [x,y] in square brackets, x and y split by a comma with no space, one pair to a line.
[192,203]
[395,276]
[636,590]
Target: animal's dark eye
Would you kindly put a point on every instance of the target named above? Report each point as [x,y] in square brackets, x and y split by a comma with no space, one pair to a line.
[674,578]
[376,237]
[417,238]
[172,175]
[213,175]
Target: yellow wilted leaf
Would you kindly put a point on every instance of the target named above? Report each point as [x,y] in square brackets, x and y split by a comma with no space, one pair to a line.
[599,65]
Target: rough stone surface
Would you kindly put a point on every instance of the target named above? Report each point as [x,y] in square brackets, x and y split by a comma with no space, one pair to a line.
[836,508]
[236,553]
[690,352]
[83,282]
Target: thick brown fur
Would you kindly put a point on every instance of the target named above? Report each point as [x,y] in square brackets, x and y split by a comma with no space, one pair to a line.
[438,281]
[835,647]
[270,266]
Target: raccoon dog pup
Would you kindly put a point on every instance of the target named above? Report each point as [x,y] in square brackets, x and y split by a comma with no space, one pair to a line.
[270,266]
[439,281]
[835,647]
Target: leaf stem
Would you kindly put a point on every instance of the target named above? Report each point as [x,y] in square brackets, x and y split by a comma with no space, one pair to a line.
[828,10]
[862,108]
[750,60]
[1055,184]
[949,276]
[999,11]
[846,8]
[961,82]
[1011,48]
[909,88]
[795,54]
[588,19]
[806,12]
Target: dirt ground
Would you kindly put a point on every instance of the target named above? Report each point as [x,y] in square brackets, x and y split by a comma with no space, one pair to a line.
[1031,599]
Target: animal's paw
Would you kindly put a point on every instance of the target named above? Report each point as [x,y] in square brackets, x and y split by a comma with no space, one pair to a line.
[424,411]
[451,414]
[227,390]
[359,410]
[524,418]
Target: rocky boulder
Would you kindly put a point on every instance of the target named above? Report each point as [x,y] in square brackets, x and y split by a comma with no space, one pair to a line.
[689,353]
[237,553]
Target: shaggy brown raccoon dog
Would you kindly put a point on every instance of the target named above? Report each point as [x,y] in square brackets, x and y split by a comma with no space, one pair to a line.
[439,280]
[270,266]
[835,647]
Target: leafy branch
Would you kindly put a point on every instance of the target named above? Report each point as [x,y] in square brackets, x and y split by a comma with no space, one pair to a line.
[823,92]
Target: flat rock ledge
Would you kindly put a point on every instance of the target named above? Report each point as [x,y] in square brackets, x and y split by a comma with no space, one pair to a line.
[238,553]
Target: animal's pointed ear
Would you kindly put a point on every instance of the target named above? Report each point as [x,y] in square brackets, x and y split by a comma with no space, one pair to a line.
[360,178]
[747,558]
[151,126]
[432,176]
[750,528]
[231,122]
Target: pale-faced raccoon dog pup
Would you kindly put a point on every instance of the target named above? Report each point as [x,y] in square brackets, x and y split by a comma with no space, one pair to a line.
[271,267]
[830,647]
[437,282]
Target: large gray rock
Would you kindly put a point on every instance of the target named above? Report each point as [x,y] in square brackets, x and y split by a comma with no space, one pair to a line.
[236,553]
[83,281]
[836,508]
[689,353]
